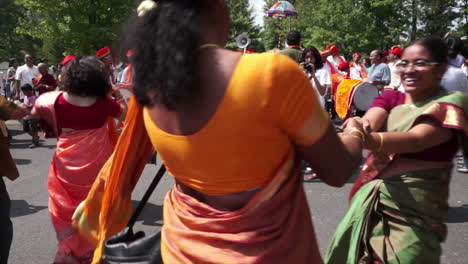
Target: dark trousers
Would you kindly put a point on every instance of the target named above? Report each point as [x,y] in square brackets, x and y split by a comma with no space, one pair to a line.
[6,227]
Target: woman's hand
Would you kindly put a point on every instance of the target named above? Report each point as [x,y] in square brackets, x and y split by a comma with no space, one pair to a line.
[357,122]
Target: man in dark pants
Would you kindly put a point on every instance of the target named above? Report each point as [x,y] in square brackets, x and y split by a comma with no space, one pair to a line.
[6,227]
[8,169]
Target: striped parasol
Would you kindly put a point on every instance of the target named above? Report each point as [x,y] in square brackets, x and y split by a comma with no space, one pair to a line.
[282,9]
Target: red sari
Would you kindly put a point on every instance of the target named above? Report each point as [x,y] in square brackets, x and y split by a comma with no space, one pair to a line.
[78,158]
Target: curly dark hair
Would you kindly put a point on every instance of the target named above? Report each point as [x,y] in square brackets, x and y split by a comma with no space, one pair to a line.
[85,76]
[165,41]
[318,58]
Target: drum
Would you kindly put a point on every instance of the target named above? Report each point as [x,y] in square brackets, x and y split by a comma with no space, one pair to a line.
[364,95]
[344,95]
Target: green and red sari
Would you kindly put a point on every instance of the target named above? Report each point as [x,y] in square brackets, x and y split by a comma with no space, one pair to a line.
[400,219]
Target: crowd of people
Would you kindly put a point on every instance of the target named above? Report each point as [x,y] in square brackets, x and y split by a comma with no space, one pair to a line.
[235,131]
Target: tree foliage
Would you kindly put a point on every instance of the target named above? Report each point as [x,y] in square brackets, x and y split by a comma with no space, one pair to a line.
[242,21]
[12,44]
[364,25]
[72,26]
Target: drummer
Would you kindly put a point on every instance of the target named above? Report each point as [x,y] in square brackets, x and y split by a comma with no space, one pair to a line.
[379,73]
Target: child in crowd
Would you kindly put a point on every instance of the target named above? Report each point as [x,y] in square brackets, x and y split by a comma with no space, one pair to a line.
[30,123]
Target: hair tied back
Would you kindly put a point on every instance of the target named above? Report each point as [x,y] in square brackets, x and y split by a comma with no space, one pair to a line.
[145,7]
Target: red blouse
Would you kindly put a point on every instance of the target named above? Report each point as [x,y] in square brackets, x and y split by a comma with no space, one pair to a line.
[89,117]
[443,152]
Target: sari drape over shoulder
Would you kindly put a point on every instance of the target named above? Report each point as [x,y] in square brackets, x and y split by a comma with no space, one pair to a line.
[78,158]
[107,207]
[399,219]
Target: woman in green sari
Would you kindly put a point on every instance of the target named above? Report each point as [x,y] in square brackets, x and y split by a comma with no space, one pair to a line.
[399,201]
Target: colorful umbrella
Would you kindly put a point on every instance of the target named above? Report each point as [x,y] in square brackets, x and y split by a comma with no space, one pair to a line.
[282,9]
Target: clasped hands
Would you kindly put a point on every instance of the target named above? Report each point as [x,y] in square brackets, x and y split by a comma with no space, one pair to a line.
[361,128]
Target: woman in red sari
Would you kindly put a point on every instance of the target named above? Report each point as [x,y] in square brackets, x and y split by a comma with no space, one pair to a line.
[79,117]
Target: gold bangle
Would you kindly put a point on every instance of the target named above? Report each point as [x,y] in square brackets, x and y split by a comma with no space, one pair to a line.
[381,142]
[363,137]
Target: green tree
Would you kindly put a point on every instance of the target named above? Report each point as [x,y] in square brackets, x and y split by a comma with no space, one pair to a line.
[276,29]
[73,27]
[12,44]
[242,21]
[364,25]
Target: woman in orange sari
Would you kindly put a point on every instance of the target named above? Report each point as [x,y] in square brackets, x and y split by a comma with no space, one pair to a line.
[231,129]
[78,115]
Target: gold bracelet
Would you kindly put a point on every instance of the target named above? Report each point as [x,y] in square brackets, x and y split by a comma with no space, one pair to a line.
[363,137]
[381,142]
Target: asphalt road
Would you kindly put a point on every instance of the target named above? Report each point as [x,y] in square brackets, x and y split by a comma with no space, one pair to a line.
[35,242]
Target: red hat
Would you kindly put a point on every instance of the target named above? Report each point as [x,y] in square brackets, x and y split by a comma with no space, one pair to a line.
[103,52]
[396,50]
[129,53]
[67,59]
[324,53]
[384,53]
[357,54]
[344,66]
[332,48]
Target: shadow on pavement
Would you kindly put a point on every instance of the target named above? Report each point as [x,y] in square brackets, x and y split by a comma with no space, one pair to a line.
[25,143]
[457,214]
[22,208]
[151,214]
[22,161]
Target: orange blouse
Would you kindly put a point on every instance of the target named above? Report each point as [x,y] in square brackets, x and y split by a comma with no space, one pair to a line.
[268,107]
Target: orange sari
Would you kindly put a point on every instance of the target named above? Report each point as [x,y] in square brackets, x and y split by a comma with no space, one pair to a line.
[194,232]
[78,158]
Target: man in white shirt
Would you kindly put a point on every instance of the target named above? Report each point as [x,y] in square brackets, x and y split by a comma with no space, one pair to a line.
[25,74]
[454,79]
[394,57]
[335,57]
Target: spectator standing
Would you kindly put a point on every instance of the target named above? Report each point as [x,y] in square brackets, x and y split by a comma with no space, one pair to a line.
[30,123]
[379,73]
[293,50]
[25,74]
[335,57]
[46,82]
[10,77]
[359,66]
[394,58]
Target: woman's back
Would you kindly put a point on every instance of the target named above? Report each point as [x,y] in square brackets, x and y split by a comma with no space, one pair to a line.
[248,127]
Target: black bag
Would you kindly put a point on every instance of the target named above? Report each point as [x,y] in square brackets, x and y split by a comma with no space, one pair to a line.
[136,248]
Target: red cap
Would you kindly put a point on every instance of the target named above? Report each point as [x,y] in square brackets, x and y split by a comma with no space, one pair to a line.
[344,66]
[357,54]
[396,50]
[103,52]
[129,53]
[67,59]
[332,48]
[324,53]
